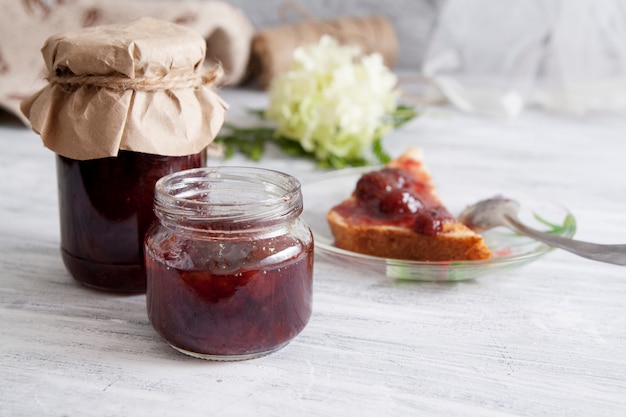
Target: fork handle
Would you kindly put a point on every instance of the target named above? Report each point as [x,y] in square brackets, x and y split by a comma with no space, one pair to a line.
[612,254]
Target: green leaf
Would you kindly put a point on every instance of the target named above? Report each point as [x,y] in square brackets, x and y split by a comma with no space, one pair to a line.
[251,142]
[292,147]
[402,114]
[568,228]
[379,152]
[248,141]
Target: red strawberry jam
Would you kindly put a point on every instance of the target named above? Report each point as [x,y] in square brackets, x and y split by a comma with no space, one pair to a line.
[391,196]
[106,207]
[237,314]
[229,263]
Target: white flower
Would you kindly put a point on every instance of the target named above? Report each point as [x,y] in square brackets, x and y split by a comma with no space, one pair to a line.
[333,100]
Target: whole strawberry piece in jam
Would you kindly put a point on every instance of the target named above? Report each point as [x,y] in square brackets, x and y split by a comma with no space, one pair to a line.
[376,185]
[430,220]
[400,202]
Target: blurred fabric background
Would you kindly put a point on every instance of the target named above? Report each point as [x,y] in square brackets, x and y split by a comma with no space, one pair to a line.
[413,19]
[487,57]
[228,26]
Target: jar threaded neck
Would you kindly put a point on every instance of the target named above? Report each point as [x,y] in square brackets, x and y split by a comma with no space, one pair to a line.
[224,199]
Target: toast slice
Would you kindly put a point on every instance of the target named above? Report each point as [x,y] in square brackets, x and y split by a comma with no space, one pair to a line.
[395,212]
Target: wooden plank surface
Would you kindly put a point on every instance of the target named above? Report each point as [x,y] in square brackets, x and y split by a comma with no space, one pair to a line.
[544,340]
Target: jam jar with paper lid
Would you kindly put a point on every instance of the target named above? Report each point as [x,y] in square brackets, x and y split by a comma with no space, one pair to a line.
[125,105]
[229,262]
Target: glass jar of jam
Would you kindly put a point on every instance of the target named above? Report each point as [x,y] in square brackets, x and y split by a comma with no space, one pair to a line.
[105,208]
[229,262]
[125,105]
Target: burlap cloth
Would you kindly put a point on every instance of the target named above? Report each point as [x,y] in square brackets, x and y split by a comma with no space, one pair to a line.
[272,48]
[25,25]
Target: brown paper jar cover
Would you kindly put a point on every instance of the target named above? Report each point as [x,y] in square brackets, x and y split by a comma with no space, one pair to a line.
[137,86]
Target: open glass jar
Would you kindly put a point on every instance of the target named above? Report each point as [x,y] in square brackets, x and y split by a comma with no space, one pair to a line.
[229,262]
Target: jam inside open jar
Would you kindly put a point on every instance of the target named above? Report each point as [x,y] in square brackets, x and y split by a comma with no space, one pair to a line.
[229,262]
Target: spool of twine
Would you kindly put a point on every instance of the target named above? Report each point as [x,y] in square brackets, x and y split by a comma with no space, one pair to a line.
[70,82]
[272,48]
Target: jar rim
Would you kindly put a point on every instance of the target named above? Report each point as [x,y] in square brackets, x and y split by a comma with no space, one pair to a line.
[233,194]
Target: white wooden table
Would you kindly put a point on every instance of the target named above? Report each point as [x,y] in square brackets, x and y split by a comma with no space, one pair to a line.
[544,340]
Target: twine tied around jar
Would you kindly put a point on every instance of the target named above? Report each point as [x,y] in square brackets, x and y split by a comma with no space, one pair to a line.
[70,82]
[138,86]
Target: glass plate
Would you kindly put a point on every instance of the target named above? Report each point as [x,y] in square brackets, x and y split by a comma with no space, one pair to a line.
[509,249]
